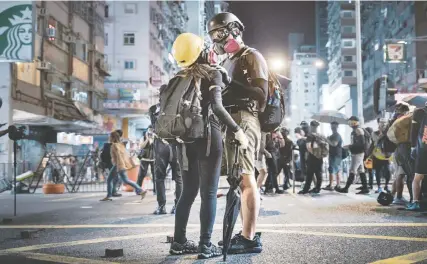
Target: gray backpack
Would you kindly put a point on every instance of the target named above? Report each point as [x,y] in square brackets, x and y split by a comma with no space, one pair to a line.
[180,117]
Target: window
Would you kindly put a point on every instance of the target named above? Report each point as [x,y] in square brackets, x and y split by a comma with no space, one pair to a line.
[348,58]
[106,39]
[348,74]
[130,8]
[347,14]
[307,104]
[129,39]
[130,64]
[305,91]
[349,43]
[106,9]
[348,29]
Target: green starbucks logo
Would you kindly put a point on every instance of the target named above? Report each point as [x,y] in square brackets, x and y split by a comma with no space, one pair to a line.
[16,32]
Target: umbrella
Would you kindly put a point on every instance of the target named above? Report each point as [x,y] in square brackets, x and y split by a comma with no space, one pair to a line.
[232,208]
[416,100]
[329,116]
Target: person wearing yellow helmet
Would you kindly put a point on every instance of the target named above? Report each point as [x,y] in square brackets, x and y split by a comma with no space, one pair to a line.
[203,154]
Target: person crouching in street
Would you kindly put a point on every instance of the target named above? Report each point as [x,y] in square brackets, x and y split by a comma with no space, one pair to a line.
[121,163]
[357,150]
[317,146]
[204,154]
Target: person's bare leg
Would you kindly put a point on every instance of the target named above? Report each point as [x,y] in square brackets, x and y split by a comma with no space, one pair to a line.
[416,186]
[399,185]
[331,179]
[261,177]
[250,205]
[338,179]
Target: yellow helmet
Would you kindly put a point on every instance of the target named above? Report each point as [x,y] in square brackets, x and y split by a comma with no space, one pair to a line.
[187,48]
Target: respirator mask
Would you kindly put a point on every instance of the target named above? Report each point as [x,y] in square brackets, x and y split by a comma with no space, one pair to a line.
[222,43]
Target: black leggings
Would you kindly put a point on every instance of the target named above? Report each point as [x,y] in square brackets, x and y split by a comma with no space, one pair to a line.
[381,168]
[203,173]
[314,168]
[143,170]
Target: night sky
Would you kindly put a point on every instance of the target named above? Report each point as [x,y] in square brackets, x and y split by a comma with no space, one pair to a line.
[268,23]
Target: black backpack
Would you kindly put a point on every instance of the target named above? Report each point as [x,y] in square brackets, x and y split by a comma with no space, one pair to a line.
[180,117]
[274,112]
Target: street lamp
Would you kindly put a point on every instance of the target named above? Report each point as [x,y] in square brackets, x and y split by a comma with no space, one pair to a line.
[277,64]
[319,64]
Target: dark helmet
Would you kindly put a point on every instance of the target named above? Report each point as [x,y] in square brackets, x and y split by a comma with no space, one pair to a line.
[314,123]
[303,124]
[222,20]
[354,118]
[385,198]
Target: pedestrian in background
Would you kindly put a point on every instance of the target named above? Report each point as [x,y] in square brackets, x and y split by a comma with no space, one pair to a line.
[335,157]
[122,162]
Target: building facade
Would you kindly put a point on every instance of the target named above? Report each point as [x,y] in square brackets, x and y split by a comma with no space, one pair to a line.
[388,22]
[321,42]
[139,37]
[304,87]
[62,89]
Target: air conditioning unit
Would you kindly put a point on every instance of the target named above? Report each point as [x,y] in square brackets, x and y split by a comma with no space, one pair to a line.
[51,32]
[41,11]
[69,39]
[44,66]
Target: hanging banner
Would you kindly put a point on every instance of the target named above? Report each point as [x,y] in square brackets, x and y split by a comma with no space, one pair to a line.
[395,52]
[16,31]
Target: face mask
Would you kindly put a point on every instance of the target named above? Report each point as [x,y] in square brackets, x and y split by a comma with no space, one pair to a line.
[231,46]
[218,48]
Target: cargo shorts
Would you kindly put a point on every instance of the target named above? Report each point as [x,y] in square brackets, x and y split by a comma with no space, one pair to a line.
[249,122]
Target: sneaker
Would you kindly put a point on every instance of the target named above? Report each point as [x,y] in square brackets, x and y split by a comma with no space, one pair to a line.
[236,237]
[363,191]
[117,195]
[106,199]
[210,251]
[415,206]
[160,210]
[189,247]
[400,201]
[342,190]
[244,246]
[314,191]
[337,187]
[280,191]
[143,193]
[173,209]
[302,192]
[380,190]
[328,188]
[359,188]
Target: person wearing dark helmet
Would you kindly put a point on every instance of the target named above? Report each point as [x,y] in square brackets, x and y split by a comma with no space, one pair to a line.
[244,98]
[357,150]
[203,154]
[314,145]
[286,153]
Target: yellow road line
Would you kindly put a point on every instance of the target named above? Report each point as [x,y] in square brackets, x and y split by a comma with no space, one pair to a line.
[63,259]
[405,259]
[83,242]
[407,224]
[396,238]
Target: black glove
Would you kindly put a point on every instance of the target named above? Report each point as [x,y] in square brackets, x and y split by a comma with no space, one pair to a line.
[216,78]
[225,78]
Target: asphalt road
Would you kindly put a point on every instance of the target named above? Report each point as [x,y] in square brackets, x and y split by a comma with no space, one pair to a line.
[330,228]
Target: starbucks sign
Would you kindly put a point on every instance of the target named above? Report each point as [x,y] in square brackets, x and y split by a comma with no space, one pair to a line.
[16,31]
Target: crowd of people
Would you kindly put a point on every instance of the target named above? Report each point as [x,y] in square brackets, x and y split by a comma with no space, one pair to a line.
[220,109]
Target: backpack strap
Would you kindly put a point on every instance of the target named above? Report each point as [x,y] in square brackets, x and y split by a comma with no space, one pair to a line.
[243,63]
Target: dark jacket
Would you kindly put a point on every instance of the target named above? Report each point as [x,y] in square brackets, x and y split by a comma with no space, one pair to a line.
[357,141]
[106,155]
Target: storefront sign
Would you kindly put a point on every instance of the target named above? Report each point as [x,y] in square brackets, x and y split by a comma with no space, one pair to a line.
[73,139]
[16,31]
[395,52]
[135,105]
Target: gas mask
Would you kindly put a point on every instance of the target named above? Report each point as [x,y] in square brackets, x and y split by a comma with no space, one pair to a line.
[222,43]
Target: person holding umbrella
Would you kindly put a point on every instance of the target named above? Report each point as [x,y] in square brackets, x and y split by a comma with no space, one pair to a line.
[204,154]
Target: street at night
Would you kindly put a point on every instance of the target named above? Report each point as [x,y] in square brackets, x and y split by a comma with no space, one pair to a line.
[331,228]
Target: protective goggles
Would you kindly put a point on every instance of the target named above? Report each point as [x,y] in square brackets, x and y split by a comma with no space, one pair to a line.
[219,35]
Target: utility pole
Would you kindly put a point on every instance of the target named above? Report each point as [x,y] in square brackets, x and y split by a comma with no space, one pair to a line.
[359,64]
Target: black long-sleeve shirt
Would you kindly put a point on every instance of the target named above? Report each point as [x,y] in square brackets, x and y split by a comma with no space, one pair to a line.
[357,145]
[240,88]
[419,129]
